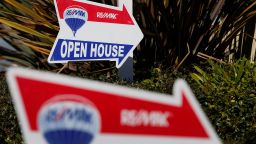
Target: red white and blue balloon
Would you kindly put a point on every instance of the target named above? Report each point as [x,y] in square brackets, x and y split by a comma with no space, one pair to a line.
[69,122]
[75,17]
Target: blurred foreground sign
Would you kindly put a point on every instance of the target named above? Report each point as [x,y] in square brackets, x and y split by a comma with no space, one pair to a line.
[91,31]
[55,109]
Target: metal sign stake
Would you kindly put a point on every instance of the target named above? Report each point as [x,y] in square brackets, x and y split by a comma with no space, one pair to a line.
[125,72]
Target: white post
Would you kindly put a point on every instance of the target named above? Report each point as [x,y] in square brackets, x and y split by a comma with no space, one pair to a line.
[253,50]
[126,71]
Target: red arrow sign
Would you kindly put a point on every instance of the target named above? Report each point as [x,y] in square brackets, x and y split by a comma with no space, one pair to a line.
[122,111]
[97,13]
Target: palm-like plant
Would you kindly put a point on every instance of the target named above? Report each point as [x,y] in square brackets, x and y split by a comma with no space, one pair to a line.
[177,31]
[30,27]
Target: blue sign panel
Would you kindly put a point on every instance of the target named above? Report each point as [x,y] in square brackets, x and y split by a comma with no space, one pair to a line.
[73,50]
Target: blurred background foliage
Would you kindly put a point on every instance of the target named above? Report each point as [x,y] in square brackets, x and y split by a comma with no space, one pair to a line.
[180,35]
[30,27]
[177,32]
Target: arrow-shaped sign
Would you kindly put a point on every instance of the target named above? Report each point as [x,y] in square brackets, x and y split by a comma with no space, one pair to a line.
[92,31]
[47,103]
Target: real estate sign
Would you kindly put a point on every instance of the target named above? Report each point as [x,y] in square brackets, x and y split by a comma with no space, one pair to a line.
[55,109]
[91,31]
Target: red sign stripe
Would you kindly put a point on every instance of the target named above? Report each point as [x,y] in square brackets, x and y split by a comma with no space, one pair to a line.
[97,13]
[183,121]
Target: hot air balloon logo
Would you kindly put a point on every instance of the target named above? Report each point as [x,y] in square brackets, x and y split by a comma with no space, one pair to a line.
[75,18]
[69,120]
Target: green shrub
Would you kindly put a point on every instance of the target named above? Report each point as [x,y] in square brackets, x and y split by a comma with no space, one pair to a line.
[9,127]
[228,94]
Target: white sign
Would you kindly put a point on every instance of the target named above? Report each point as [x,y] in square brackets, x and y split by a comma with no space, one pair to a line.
[91,31]
[55,109]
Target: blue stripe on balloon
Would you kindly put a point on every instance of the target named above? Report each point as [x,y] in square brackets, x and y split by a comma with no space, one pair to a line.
[68,137]
[74,24]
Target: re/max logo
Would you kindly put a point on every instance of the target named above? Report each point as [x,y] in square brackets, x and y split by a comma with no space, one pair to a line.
[55,115]
[76,12]
[105,15]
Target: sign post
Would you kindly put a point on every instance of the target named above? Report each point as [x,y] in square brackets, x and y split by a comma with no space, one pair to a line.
[60,109]
[125,72]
